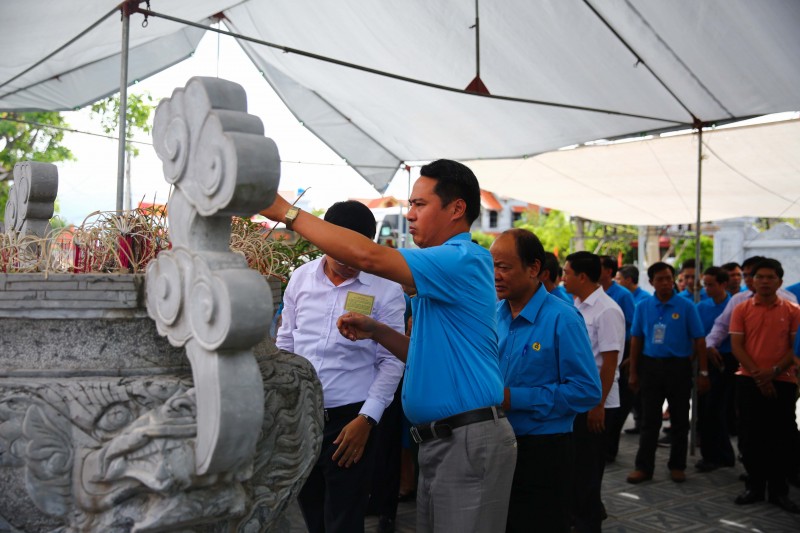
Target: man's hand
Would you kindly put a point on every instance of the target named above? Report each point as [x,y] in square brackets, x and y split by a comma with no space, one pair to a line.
[506,405]
[355,326]
[703,384]
[596,419]
[352,440]
[714,357]
[633,382]
[762,375]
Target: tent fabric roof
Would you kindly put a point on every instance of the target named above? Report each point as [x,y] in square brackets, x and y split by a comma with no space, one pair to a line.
[659,64]
[747,171]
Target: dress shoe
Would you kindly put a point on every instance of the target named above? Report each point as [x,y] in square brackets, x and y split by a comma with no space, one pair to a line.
[407,496]
[633,431]
[678,476]
[794,480]
[705,466]
[785,503]
[637,476]
[385,525]
[665,441]
[748,497]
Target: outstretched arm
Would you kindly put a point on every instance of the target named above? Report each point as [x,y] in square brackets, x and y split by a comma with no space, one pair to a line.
[349,247]
[355,326]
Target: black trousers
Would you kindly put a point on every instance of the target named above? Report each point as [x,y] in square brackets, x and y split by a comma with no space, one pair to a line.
[767,433]
[667,378]
[715,443]
[388,446]
[541,493]
[590,464]
[334,498]
[628,402]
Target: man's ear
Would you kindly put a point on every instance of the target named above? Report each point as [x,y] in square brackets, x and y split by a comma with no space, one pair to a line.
[536,269]
[459,208]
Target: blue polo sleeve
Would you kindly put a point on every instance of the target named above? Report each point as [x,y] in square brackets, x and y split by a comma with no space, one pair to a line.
[696,330]
[442,273]
[637,329]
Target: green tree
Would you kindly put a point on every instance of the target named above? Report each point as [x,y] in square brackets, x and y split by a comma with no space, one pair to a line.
[137,120]
[553,229]
[35,136]
[483,239]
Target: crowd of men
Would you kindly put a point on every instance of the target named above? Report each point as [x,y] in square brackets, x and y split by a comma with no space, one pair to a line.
[517,387]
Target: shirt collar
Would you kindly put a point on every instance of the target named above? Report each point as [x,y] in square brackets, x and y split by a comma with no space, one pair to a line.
[466,236]
[592,298]
[362,276]
[531,309]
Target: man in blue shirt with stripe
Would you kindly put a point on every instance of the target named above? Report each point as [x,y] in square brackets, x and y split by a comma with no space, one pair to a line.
[550,376]
[452,388]
[715,444]
[628,277]
[665,335]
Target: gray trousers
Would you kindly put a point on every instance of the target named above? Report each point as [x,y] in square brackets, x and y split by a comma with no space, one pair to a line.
[465,480]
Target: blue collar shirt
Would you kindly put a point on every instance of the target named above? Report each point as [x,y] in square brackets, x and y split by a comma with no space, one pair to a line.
[640,294]
[709,311]
[452,363]
[680,322]
[562,293]
[689,296]
[547,364]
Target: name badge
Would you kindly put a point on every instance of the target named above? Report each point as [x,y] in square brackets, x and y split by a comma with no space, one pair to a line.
[359,303]
[659,332]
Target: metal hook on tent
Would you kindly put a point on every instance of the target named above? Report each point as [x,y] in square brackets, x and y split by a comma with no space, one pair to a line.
[146,22]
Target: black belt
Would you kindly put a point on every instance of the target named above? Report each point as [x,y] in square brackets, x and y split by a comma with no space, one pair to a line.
[349,411]
[444,428]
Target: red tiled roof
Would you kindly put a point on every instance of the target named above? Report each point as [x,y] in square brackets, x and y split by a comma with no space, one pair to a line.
[489,201]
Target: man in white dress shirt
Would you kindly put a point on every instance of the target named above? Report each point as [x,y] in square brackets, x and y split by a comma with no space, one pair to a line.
[358,379]
[605,323]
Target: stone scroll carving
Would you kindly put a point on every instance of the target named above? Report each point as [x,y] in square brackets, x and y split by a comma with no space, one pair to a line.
[201,295]
[118,453]
[31,200]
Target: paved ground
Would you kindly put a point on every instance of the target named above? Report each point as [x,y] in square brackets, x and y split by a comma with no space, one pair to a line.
[703,503]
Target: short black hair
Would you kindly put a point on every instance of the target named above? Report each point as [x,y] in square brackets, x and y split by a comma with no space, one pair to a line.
[608,262]
[655,268]
[772,264]
[585,263]
[353,215]
[529,247]
[730,267]
[551,265]
[718,273]
[689,263]
[750,262]
[453,181]
[630,272]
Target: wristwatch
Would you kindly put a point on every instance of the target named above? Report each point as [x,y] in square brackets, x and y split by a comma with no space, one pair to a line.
[703,373]
[371,421]
[291,215]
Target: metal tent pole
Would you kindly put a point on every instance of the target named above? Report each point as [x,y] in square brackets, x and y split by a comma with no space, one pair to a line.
[123,101]
[698,272]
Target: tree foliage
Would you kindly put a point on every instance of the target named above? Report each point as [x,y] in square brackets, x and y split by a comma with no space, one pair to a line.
[34,136]
[137,119]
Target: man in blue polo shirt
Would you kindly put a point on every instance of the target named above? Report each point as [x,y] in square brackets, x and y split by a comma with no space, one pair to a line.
[666,333]
[715,444]
[689,273]
[628,277]
[550,376]
[452,388]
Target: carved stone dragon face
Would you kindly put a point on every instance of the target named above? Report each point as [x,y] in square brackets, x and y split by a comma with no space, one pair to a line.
[118,454]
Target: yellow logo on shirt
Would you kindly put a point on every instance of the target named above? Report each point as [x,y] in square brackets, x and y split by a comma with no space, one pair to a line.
[675,316]
[536,346]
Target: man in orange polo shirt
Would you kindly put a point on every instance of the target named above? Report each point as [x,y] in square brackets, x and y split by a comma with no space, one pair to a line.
[763,330]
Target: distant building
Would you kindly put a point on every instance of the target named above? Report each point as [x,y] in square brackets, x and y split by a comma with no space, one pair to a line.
[499,214]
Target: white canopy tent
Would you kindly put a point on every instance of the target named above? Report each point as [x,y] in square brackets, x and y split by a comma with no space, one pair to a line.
[753,170]
[382,82]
